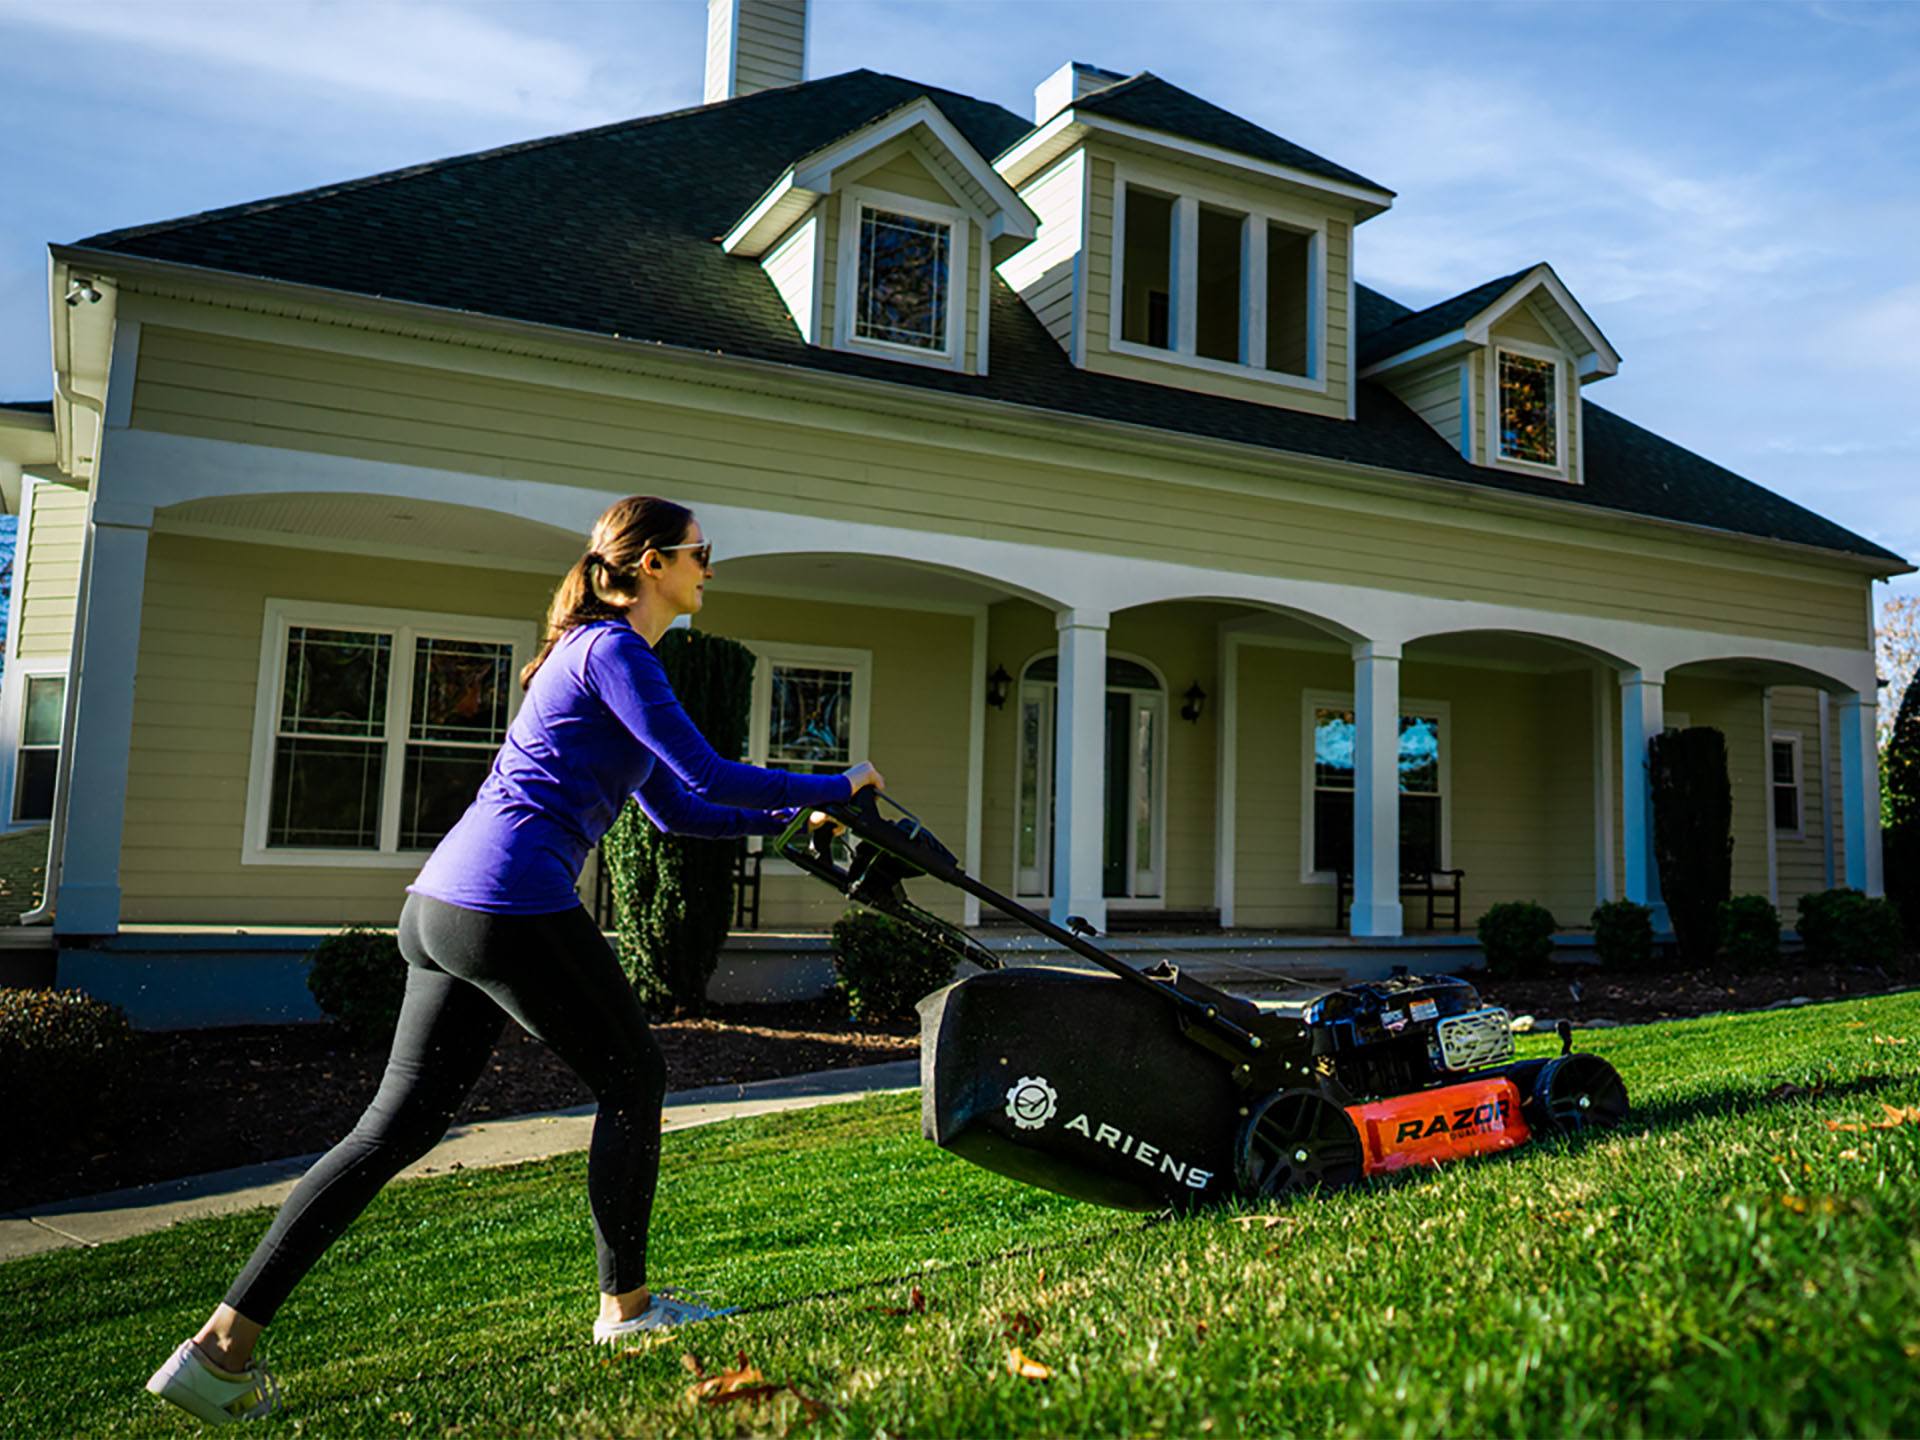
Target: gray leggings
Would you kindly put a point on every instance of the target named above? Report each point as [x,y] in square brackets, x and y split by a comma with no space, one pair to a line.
[467,971]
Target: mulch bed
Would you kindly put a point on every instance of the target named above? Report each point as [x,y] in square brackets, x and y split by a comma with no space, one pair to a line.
[213,1099]
[1584,994]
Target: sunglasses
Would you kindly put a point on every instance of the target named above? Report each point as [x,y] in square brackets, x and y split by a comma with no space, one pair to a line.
[702,551]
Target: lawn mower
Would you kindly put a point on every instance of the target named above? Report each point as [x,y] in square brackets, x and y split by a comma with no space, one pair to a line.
[1145,1089]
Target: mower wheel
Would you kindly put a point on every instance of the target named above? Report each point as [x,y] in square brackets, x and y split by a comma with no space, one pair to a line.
[1575,1092]
[1296,1140]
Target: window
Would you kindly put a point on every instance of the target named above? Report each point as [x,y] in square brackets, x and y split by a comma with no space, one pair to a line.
[810,706]
[904,279]
[1529,421]
[1146,311]
[374,729]
[1786,785]
[1217,285]
[39,762]
[1422,834]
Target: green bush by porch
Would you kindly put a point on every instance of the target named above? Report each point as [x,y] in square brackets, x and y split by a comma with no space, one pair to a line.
[1646,1282]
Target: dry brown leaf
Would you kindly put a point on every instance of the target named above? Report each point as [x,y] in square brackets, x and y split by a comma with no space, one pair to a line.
[1893,1119]
[1200,1329]
[916,1305]
[1019,1364]
[692,1364]
[709,1388]
[1265,1222]
[1851,1155]
[1020,1323]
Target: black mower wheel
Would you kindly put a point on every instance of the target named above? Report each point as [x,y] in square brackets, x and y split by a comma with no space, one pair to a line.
[1575,1092]
[1297,1140]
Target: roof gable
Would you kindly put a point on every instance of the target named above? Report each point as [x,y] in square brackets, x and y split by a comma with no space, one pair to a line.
[1468,319]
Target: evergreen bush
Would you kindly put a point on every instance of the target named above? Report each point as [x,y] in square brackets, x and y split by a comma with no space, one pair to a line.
[673,894]
[1693,834]
[885,968]
[1749,932]
[1900,787]
[1623,935]
[1844,927]
[65,1058]
[357,977]
[1517,938]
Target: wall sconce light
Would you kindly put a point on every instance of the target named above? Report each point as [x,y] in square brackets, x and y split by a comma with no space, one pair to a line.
[1196,699]
[79,289]
[997,684]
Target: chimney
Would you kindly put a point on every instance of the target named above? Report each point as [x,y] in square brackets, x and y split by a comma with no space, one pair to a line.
[754,45]
[1072,81]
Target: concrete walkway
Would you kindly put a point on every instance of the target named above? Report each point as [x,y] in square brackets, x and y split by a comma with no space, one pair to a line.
[118,1214]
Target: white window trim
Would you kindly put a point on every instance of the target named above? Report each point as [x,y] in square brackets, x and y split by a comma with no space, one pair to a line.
[19,672]
[952,355]
[1253,280]
[1043,848]
[1312,700]
[1793,738]
[13,688]
[824,657]
[405,626]
[1562,373]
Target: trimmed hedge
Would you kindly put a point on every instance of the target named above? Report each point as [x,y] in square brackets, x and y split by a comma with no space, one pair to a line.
[1900,843]
[1844,927]
[65,1059]
[1693,834]
[1623,935]
[885,968]
[1517,937]
[1749,932]
[357,977]
[673,894]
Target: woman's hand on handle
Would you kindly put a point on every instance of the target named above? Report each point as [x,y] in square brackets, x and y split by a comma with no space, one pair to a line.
[863,775]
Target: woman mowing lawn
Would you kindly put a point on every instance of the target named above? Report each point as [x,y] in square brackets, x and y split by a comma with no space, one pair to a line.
[493,926]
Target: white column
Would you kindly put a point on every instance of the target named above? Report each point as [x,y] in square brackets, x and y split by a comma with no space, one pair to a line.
[1376,790]
[1079,769]
[1766,793]
[1860,790]
[89,894]
[1603,791]
[1642,716]
[1184,271]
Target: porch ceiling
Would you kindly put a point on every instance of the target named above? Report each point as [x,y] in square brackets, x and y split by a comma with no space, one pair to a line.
[860,578]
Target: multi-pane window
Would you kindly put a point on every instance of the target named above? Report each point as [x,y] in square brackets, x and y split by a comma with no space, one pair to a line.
[1529,409]
[39,761]
[1333,790]
[904,276]
[810,718]
[378,734]
[1786,784]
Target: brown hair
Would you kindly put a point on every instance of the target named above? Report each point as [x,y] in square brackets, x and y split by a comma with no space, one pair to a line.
[610,566]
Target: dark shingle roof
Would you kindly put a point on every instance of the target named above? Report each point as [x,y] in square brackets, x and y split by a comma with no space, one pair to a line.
[1416,327]
[1148,101]
[611,232]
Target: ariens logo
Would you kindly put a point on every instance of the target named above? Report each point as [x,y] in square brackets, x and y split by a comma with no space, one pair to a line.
[1031,1102]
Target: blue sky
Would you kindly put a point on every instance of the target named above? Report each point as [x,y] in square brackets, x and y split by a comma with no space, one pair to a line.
[1733,191]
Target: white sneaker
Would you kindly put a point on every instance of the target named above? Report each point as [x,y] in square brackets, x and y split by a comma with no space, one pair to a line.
[665,1310]
[195,1386]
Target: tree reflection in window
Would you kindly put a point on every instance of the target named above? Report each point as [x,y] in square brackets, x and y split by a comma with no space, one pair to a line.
[1333,745]
[903,280]
[810,719]
[1527,426]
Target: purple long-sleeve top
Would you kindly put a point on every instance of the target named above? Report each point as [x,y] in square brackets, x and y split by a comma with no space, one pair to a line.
[599,723]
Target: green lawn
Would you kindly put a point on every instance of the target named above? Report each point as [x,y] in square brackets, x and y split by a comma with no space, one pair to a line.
[1725,1264]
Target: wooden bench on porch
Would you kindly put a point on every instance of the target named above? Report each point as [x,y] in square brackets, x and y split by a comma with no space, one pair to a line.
[1436,886]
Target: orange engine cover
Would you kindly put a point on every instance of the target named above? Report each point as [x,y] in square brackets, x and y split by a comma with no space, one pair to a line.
[1430,1126]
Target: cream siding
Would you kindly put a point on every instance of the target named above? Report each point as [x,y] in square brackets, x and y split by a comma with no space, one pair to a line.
[1043,272]
[1100,272]
[1434,395]
[818,459]
[793,266]
[50,574]
[1802,860]
[769,39]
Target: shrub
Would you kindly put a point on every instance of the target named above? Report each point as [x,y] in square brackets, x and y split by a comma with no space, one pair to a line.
[885,968]
[1749,931]
[1900,847]
[673,894]
[1693,834]
[357,977]
[1844,927]
[64,1057]
[1623,935]
[1517,937]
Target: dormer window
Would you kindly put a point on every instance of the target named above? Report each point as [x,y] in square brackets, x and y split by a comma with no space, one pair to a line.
[905,273]
[1209,281]
[1529,407]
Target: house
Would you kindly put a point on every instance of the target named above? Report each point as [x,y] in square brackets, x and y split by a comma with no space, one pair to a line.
[1058,462]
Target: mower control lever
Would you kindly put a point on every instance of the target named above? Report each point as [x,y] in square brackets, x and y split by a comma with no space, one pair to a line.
[1079,926]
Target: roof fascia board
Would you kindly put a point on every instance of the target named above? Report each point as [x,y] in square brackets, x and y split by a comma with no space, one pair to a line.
[1013,161]
[1370,202]
[813,176]
[1009,416]
[1541,277]
[1440,347]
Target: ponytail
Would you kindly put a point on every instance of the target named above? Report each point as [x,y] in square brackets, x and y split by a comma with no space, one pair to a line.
[609,568]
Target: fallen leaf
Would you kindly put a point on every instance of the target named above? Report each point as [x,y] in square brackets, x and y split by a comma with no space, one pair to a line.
[744,1392]
[709,1388]
[1019,1364]
[1895,1117]
[916,1305]
[693,1365]
[1855,1025]
[1020,1323]
[1851,1155]
[1889,1039]
[1265,1222]
[1200,1332]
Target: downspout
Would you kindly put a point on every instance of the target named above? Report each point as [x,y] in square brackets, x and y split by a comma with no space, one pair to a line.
[42,914]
